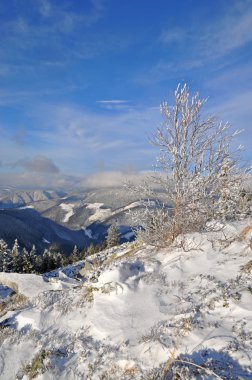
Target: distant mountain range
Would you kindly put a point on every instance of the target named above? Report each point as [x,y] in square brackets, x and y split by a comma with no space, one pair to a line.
[46,217]
[10,198]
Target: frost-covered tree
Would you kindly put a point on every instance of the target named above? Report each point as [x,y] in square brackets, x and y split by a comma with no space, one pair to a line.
[16,259]
[38,263]
[33,252]
[198,170]
[4,254]
[47,261]
[27,262]
[3,246]
[51,260]
[90,250]
[75,255]
[113,236]
[83,254]
[57,260]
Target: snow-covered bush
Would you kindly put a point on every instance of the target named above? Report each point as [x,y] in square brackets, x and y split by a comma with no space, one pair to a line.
[198,170]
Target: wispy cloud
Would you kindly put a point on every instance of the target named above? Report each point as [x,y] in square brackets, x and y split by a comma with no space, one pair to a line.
[112,101]
[235,77]
[45,8]
[77,85]
[65,19]
[17,97]
[230,31]
[157,73]
[172,35]
[200,45]
[25,39]
[114,104]
[97,130]
[77,139]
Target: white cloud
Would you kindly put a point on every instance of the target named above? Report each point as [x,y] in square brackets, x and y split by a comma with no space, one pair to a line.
[46,27]
[74,126]
[200,44]
[39,164]
[76,138]
[60,181]
[112,101]
[28,180]
[114,104]
[112,179]
[231,32]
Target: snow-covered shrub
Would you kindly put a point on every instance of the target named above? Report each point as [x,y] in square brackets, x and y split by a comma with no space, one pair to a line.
[198,170]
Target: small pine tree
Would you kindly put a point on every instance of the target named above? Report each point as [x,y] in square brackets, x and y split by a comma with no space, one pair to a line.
[38,264]
[16,261]
[83,254]
[100,247]
[58,260]
[3,253]
[46,261]
[3,246]
[33,255]
[7,262]
[27,262]
[75,255]
[113,236]
[90,250]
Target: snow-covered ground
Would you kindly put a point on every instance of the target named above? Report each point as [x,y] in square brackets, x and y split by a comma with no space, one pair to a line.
[139,313]
[25,207]
[100,213]
[29,285]
[68,207]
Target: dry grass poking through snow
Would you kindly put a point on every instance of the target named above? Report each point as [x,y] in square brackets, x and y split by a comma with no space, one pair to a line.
[16,302]
[246,234]
[32,369]
[247,268]
[246,231]
[89,293]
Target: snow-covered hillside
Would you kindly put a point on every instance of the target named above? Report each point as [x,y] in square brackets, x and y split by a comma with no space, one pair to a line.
[25,197]
[138,313]
[68,208]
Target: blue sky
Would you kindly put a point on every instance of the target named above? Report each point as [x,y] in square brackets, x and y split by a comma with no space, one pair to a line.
[81,81]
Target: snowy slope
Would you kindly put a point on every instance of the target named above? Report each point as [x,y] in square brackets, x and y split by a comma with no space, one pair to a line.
[29,285]
[68,207]
[140,313]
[100,213]
[25,197]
